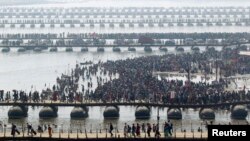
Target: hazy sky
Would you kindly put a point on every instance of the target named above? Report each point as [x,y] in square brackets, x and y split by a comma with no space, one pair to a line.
[129,3]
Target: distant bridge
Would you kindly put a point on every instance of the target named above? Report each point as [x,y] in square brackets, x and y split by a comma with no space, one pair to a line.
[135,45]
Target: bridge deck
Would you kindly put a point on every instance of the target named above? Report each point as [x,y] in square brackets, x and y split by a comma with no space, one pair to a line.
[95,136]
[58,103]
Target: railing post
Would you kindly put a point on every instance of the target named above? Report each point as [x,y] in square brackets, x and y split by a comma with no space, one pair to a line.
[100,129]
[4,130]
[201,133]
[86,133]
[106,132]
[115,131]
[90,128]
[193,134]
[184,134]
[68,134]
[23,130]
[59,134]
[77,134]
[174,133]
[96,133]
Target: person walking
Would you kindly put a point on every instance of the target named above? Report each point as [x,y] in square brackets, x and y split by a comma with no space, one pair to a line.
[125,130]
[129,131]
[29,129]
[149,128]
[157,132]
[133,130]
[111,128]
[166,129]
[50,131]
[138,130]
[143,128]
[13,130]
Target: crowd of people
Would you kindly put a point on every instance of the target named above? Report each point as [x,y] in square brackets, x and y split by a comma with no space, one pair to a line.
[136,82]
[136,130]
[133,130]
[30,130]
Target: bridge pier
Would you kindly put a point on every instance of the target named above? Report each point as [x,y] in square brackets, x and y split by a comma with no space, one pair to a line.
[206,113]
[18,112]
[239,112]
[142,112]
[79,112]
[179,49]
[48,112]
[111,112]
[174,113]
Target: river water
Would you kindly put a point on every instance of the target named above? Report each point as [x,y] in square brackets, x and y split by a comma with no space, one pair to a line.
[23,70]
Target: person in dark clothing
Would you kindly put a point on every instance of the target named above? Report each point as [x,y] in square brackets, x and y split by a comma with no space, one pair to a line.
[14,130]
[133,130]
[29,128]
[111,128]
[149,128]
